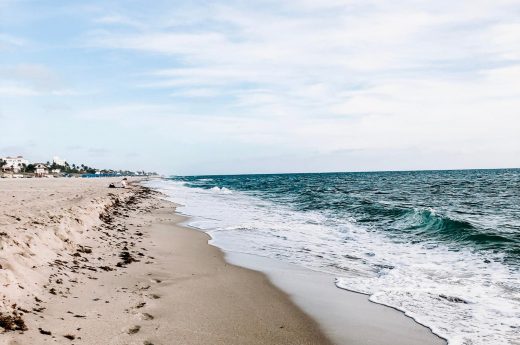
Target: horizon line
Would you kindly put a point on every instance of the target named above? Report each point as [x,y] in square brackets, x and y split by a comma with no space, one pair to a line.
[347,172]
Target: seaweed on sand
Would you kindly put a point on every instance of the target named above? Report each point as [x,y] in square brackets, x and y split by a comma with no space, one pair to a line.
[12,322]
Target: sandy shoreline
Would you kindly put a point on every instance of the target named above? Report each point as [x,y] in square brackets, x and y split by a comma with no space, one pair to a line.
[81,284]
[84,264]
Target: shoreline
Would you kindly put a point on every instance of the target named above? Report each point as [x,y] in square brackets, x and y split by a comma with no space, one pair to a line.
[134,276]
[121,268]
[250,217]
[373,322]
[369,322]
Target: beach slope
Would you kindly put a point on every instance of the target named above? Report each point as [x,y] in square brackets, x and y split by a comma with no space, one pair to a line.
[84,264]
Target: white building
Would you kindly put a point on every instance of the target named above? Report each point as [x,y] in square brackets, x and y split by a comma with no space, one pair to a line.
[58,161]
[15,164]
[40,169]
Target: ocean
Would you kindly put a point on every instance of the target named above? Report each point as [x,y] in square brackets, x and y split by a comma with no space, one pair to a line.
[442,246]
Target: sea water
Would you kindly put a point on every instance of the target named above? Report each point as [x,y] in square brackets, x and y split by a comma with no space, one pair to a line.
[442,246]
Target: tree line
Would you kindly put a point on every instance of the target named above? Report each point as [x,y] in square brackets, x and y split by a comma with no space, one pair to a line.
[75,169]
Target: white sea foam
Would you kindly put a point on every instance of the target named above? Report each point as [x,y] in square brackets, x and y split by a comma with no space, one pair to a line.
[458,294]
[222,190]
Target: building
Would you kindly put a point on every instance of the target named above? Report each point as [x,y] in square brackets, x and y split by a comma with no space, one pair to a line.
[14,164]
[58,161]
[40,169]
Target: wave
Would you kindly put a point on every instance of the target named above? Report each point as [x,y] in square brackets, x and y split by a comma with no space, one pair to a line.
[447,259]
[427,223]
[222,190]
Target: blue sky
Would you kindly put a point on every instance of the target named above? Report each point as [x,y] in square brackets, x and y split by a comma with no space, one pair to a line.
[196,87]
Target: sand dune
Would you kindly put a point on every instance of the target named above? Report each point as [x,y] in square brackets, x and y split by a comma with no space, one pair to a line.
[42,223]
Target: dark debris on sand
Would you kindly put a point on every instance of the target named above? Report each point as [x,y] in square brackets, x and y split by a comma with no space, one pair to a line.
[44,332]
[12,322]
[112,232]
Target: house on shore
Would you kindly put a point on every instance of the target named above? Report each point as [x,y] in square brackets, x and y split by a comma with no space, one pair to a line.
[14,164]
[41,170]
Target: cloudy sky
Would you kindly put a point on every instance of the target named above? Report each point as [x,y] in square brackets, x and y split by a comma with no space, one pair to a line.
[197,87]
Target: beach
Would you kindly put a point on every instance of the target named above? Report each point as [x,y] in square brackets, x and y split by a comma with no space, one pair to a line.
[85,264]
[72,283]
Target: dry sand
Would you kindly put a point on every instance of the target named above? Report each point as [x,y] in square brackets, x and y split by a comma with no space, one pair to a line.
[84,264]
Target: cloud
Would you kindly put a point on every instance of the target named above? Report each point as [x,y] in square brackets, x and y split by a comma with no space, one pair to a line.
[119,20]
[350,47]
[25,80]
[10,42]
[349,74]
[129,111]
[309,77]
[195,93]
[98,151]
[16,91]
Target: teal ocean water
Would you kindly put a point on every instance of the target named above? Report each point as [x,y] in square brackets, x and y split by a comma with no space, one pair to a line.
[443,246]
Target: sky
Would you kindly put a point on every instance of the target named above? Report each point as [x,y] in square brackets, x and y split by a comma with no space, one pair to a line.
[224,87]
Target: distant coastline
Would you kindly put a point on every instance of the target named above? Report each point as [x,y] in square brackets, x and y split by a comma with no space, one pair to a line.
[19,167]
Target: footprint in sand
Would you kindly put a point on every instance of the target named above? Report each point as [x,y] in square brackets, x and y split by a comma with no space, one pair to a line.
[146,316]
[140,305]
[134,329]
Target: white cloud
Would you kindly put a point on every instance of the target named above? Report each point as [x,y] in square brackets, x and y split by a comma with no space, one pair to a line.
[313,76]
[504,40]
[152,113]
[195,93]
[24,80]
[119,20]
[349,74]
[16,91]
[10,41]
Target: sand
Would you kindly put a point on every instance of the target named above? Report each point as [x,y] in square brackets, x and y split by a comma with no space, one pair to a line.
[345,317]
[84,264]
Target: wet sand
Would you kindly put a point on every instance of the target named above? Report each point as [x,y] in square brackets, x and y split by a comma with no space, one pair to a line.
[346,317]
